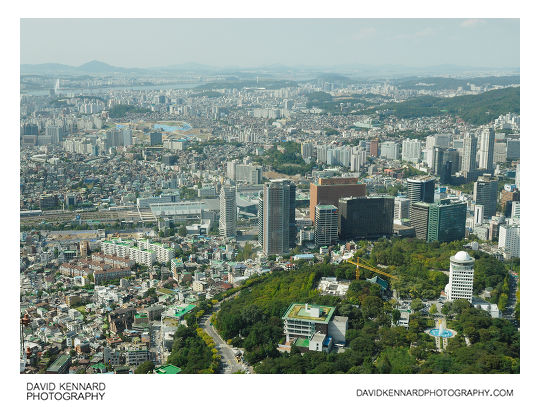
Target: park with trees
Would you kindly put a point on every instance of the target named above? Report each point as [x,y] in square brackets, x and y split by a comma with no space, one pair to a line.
[253,319]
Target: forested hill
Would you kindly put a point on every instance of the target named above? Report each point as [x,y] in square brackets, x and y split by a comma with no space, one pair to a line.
[474,109]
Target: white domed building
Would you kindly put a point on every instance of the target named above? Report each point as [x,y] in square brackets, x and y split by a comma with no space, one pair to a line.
[460,284]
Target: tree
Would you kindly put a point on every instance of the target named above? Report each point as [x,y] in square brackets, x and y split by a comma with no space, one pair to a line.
[433,309]
[145,367]
[396,315]
[417,305]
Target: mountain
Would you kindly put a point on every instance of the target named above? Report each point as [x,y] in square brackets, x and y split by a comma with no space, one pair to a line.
[474,109]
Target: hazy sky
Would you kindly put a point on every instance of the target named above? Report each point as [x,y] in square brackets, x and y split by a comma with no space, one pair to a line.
[255,42]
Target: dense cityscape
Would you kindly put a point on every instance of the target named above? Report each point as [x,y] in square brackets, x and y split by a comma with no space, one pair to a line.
[268,222]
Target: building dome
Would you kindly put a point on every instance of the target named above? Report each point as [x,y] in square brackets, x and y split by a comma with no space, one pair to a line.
[462,256]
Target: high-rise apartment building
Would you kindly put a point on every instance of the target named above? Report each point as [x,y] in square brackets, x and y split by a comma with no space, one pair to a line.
[374,147]
[326,225]
[306,150]
[366,217]
[277,225]
[358,160]
[460,285]
[390,150]
[487,148]
[227,211]
[411,150]
[328,191]
[468,162]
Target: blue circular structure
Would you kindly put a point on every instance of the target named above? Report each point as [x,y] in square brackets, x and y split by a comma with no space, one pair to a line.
[445,333]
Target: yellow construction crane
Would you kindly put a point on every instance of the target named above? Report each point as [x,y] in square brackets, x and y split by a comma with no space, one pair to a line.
[367,267]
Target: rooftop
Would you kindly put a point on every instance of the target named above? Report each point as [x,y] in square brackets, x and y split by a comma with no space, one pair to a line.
[298,311]
[168,369]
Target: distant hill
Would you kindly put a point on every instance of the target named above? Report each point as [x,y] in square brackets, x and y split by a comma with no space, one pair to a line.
[474,109]
[95,67]
[439,83]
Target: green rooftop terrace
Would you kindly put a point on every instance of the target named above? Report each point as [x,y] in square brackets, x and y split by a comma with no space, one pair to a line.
[180,312]
[168,369]
[298,311]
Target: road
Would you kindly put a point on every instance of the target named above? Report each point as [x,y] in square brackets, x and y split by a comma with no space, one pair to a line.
[508,313]
[228,359]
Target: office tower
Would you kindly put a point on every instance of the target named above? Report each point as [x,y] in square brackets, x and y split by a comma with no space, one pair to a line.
[156,138]
[365,217]
[499,152]
[512,149]
[509,240]
[70,200]
[446,174]
[227,211]
[438,161]
[517,177]
[421,188]
[446,221]
[306,150]
[411,150]
[402,208]
[277,225]
[452,155]
[329,190]
[419,219]
[485,193]
[478,214]
[460,285]
[390,150]
[48,201]
[487,144]
[374,147]
[468,162]
[358,160]
[326,225]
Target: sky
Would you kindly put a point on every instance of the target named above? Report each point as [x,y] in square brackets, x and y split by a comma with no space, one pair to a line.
[143,43]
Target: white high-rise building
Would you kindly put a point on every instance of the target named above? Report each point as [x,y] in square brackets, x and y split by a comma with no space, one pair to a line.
[390,150]
[517,176]
[486,150]
[411,150]
[227,212]
[509,240]
[358,160]
[468,162]
[402,207]
[478,214]
[460,284]
[515,210]
[306,150]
